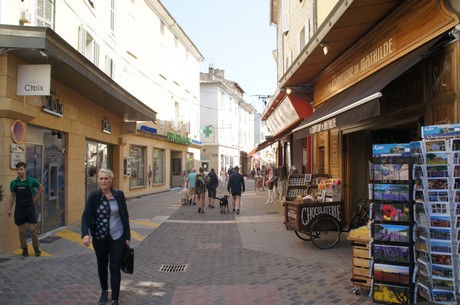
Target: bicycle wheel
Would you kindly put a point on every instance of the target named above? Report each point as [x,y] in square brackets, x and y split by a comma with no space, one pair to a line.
[303,235]
[325,231]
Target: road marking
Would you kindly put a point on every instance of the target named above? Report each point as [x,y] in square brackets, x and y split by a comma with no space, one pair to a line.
[73,237]
[146,223]
[137,236]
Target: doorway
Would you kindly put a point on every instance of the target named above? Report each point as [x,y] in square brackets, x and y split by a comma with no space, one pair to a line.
[176,169]
[45,159]
[98,155]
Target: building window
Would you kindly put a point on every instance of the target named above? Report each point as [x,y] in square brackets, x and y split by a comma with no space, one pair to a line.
[109,66]
[285,15]
[112,16]
[138,172]
[158,166]
[301,39]
[45,9]
[88,46]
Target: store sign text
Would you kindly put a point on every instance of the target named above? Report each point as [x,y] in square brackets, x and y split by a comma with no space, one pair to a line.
[106,126]
[52,106]
[308,213]
[148,129]
[329,124]
[368,61]
[177,138]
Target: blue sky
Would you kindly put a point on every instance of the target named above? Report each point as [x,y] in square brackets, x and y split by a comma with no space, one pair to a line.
[235,36]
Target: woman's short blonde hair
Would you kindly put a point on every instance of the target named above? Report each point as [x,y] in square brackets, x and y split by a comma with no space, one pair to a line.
[106,171]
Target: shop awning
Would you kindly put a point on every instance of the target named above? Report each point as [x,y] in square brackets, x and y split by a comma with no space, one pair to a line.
[359,102]
[270,141]
[41,45]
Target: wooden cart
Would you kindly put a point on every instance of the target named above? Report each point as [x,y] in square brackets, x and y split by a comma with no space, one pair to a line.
[318,222]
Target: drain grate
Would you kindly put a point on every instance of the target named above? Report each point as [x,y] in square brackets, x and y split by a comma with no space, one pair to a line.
[173,268]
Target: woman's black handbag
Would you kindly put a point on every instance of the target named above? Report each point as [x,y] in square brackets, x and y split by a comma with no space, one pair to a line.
[127,265]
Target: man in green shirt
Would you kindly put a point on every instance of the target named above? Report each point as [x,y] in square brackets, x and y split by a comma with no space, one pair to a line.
[25,191]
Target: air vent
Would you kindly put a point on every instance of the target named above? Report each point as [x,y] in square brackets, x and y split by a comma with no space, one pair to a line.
[173,268]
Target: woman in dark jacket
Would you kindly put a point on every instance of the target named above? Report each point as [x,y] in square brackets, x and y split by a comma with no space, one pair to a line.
[106,219]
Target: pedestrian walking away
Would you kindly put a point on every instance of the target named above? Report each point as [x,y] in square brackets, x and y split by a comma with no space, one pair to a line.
[236,187]
[191,186]
[212,182]
[25,192]
[105,223]
[200,189]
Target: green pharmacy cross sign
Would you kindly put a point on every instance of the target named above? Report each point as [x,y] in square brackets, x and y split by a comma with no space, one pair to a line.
[207,131]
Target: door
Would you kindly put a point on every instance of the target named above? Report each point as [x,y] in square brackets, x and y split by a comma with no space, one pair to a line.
[34,163]
[98,155]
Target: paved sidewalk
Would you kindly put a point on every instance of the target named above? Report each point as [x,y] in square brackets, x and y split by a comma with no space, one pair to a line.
[182,257]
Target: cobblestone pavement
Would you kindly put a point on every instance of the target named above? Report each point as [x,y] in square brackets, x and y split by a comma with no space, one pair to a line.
[186,258]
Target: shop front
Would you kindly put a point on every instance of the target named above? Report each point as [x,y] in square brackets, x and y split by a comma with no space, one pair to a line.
[65,128]
[381,90]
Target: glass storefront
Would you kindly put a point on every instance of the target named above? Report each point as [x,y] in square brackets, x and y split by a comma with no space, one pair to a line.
[138,171]
[158,166]
[98,155]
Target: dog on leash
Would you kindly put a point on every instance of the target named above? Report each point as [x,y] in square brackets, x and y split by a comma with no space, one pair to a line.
[223,203]
[184,195]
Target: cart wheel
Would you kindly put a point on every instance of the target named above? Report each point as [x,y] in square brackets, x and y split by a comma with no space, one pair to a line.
[303,235]
[357,291]
[325,231]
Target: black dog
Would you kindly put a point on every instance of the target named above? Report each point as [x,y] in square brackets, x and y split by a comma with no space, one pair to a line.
[223,203]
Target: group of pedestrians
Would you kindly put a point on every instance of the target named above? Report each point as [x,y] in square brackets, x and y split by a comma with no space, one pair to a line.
[275,179]
[198,184]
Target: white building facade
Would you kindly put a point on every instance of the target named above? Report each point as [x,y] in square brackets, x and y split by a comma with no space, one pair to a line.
[227,123]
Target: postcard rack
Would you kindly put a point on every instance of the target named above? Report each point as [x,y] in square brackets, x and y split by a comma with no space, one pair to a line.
[437,207]
[392,216]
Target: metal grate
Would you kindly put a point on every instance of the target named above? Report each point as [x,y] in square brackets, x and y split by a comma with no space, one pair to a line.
[173,268]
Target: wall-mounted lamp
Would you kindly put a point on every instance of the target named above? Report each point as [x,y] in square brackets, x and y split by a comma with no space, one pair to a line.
[325,48]
[43,54]
[288,90]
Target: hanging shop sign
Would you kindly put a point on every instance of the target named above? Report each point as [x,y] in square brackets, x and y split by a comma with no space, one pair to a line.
[52,105]
[284,115]
[148,129]
[34,80]
[176,138]
[106,126]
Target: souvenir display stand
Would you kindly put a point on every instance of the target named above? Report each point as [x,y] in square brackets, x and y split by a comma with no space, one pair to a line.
[392,225]
[437,196]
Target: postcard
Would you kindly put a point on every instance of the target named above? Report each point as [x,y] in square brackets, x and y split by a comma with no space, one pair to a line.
[391,294]
[395,233]
[436,158]
[394,211]
[440,221]
[444,284]
[440,131]
[435,145]
[438,196]
[391,150]
[389,253]
[441,246]
[437,171]
[391,192]
[424,292]
[391,172]
[440,233]
[438,184]
[455,144]
[443,295]
[442,271]
[391,274]
[441,259]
